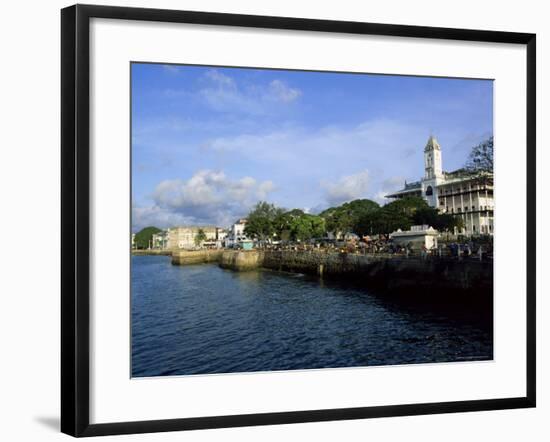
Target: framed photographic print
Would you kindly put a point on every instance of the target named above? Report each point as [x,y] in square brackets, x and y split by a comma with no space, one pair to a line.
[277,220]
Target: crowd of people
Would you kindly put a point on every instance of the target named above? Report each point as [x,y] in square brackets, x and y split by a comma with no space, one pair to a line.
[383,244]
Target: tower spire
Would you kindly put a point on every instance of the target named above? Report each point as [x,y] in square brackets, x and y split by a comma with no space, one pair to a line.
[432,158]
[432,144]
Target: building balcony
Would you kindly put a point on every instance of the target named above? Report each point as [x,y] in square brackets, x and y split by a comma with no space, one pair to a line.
[466,192]
[467,212]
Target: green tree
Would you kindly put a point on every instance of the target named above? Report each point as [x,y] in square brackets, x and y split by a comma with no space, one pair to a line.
[306,226]
[428,216]
[266,221]
[448,222]
[444,222]
[398,214]
[481,157]
[479,165]
[354,216]
[262,219]
[283,223]
[200,237]
[144,237]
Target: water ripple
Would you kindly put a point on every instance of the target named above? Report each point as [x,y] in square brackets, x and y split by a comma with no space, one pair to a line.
[202,319]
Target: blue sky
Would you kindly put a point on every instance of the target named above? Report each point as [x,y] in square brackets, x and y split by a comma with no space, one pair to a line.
[209,142]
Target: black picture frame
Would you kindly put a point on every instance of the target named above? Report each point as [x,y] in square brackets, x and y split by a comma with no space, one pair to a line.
[75,213]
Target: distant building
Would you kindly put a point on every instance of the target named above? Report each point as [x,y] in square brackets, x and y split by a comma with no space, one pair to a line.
[237,229]
[159,240]
[133,240]
[459,193]
[183,237]
[417,237]
[236,233]
[221,234]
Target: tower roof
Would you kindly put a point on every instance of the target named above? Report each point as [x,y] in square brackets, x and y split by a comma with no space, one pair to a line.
[432,144]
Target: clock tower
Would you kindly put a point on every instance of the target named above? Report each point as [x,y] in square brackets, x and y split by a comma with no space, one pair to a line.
[432,159]
[433,172]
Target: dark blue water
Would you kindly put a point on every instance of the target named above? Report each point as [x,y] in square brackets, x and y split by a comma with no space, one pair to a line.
[203,319]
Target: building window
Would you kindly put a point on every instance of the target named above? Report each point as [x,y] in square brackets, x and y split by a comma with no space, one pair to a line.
[429,191]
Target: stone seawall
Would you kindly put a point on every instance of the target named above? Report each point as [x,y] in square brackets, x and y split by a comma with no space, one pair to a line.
[154,252]
[391,273]
[184,257]
[242,260]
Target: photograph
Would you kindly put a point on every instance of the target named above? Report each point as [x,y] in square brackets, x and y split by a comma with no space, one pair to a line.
[298,220]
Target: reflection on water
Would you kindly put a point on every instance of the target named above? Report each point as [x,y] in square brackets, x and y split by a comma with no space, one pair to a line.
[203,319]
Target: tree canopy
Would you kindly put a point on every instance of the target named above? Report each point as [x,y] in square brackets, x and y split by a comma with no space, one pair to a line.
[144,236]
[261,221]
[365,217]
[439,221]
[200,237]
[305,226]
[362,217]
[398,214]
[268,222]
[353,216]
[481,157]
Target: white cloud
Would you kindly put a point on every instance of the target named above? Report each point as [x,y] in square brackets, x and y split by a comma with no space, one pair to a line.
[305,157]
[388,185]
[279,91]
[222,93]
[312,168]
[208,197]
[331,151]
[381,137]
[347,188]
[171,68]
[220,79]
[156,216]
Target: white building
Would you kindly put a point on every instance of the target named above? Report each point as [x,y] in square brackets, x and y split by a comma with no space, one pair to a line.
[417,237]
[459,193]
[236,233]
[183,237]
[237,229]
[221,234]
[160,240]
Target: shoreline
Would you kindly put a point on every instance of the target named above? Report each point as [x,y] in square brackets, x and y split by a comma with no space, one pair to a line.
[466,279]
[137,252]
